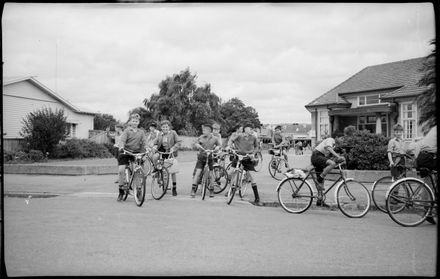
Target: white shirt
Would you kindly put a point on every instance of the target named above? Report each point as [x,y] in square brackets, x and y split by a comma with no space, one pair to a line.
[323,146]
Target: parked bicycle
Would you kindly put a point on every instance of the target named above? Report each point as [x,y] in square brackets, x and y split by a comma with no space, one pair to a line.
[296,196]
[135,177]
[239,179]
[160,175]
[381,186]
[219,178]
[411,200]
[278,165]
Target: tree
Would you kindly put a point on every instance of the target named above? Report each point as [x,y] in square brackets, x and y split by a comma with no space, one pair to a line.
[104,121]
[235,112]
[427,100]
[43,129]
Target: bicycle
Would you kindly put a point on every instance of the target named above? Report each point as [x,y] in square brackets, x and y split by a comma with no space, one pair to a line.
[135,178]
[295,194]
[218,173]
[240,178]
[160,175]
[381,186]
[411,200]
[278,165]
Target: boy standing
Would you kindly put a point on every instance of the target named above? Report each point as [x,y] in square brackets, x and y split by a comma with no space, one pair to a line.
[134,140]
[207,141]
[279,141]
[167,141]
[246,143]
[396,151]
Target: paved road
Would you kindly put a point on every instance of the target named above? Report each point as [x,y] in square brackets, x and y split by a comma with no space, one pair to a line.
[84,231]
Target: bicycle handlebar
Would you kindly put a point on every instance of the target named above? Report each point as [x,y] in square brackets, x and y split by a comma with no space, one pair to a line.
[128,152]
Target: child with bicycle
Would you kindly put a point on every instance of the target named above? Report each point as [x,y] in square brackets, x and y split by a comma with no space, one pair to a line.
[323,163]
[245,143]
[396,152]
[207,141]
[133,139]
[280,142]
[426,158]
[167,141]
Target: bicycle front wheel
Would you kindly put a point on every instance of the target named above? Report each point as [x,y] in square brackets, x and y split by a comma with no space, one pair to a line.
[409,202]
[353,198]
[259,164]
[159,183]
[295,195]
[221,179]
[235,179]
[277,168]
[205,182]
[245,184]
[138,185]
[127,183]
[379,191]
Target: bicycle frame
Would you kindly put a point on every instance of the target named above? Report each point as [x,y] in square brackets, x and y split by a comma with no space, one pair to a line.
[312,173]
[239,170]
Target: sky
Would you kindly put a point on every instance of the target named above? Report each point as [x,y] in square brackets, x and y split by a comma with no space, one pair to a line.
[275,57]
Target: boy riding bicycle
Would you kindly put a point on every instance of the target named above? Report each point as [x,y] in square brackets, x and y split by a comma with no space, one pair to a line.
[207,141]
[323,165]
[246,143]
[135,140]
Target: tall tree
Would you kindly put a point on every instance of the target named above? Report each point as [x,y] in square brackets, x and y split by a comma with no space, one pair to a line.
[235,112]
[427,100]
[104,121]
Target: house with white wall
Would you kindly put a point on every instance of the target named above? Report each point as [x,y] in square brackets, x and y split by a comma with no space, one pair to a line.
[375,99]
[23,95]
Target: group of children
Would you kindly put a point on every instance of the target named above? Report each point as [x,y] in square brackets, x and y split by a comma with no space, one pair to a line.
[136,140]
[245,141]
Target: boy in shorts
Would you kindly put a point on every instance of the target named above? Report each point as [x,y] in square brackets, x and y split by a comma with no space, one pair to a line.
[246,143]
[280,142]
[207,141]
[396,151]
[133,139]
[323,165]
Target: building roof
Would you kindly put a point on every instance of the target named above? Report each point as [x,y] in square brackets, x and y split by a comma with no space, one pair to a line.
[395,79]
[16,79]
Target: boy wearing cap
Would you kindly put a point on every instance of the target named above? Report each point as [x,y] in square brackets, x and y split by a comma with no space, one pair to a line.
[133,139]
[396,151]
[246,143]
[207,141]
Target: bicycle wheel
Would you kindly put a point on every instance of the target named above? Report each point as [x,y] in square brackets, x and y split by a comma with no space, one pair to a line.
[259,164]
[277,168]
[221,179]
[127,183]
[205,182]
[244,186]
[138,185]
[294,195]
[234,184]
[159,183]
[353,198]
[409,202]
[379,190]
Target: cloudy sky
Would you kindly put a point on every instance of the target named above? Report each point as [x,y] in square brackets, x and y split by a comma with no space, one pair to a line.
[275,57]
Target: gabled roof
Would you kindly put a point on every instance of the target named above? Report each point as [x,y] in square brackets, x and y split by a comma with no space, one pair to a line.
[398,79]
[12,80]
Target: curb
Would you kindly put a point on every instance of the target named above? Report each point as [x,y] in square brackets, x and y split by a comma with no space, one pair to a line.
[58,170]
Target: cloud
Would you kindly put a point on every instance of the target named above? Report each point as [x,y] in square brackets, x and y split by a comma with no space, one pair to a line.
[276,57]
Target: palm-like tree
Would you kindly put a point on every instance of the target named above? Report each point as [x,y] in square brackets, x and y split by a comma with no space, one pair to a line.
[427,100]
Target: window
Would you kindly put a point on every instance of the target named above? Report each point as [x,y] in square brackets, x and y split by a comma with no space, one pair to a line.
[323,123]
[369,99]
[71,130]
[409,120]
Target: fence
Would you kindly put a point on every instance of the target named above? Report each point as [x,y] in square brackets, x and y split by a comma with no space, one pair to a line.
[12,145]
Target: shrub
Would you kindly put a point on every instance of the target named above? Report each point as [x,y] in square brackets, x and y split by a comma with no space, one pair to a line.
[36,156]
[81,148]
[364,150]
[43,129]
